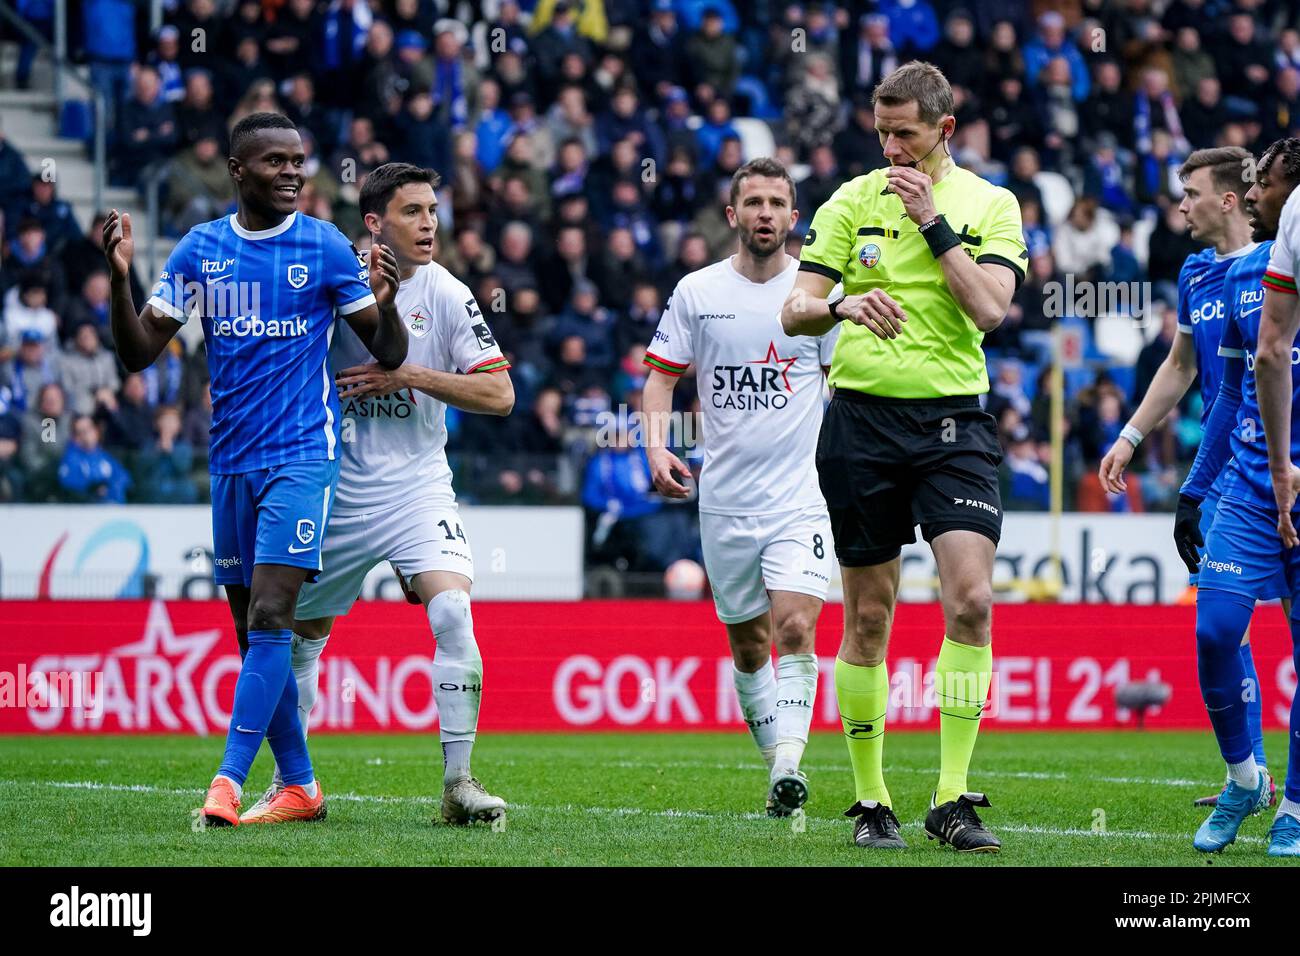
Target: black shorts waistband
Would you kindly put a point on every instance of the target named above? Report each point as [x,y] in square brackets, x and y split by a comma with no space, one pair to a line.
[948,401]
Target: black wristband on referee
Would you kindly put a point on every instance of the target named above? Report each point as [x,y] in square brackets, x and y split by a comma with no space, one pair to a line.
[939,236]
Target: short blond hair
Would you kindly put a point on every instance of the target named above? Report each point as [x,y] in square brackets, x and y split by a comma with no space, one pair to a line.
[919,82]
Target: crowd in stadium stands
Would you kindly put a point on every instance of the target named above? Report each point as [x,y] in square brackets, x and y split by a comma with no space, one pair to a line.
[586,151]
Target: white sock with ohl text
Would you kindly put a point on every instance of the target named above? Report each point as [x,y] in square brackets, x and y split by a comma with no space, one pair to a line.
[796,689]
[756,693]
[457,679]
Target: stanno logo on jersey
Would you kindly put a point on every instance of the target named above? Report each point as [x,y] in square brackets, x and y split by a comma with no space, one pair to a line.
[745,387]
[297,275]
[417,322]
[706,316]
[869,255]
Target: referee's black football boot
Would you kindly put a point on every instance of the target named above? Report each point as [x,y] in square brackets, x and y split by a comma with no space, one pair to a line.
[876,827]
[956,824]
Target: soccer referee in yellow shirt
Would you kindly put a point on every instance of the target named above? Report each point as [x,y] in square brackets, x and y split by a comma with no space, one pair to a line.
[929,256]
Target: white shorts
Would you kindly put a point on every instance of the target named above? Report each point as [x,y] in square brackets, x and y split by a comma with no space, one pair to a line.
[414,536]
[746,557]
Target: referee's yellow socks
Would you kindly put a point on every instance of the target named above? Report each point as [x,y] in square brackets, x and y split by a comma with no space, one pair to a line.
[863,694]
[961,686]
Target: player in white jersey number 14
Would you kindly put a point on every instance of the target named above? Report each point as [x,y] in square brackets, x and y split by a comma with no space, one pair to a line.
[395,501]
[763,523]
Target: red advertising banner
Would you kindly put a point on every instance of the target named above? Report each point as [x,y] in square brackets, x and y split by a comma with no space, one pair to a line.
[170,667]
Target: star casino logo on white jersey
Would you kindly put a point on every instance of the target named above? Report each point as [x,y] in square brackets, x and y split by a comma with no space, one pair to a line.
[756,384]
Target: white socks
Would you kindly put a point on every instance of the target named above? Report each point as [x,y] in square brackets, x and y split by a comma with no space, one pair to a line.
[306,671]
[1244,774]
[237,787]
[1289,807]
[457,679]
[796,688]
[757,695]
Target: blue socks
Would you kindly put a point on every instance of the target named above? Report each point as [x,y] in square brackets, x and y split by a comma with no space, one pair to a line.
[1221,622]
[261,710]
[1254,706]
[1293,751]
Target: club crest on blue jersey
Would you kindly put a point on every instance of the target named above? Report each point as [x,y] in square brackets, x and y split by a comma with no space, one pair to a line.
[297,275]
[869,255]
[306,530]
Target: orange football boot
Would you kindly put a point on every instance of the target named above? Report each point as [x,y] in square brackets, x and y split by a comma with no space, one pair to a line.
[290,805]
[221,808]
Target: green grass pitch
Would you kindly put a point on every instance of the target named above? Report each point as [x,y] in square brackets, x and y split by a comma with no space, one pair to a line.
[1071,799]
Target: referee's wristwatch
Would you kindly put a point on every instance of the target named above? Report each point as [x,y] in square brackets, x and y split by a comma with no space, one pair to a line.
[833,305]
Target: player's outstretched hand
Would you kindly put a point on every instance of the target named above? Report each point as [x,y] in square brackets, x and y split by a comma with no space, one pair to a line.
[1112,467]
[1187,532]
[363,381]
[1284,492]
[875,310]
[384,277]
[119,246]
[664,467]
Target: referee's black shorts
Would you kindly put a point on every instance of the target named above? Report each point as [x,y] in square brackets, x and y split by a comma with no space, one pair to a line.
[889,464]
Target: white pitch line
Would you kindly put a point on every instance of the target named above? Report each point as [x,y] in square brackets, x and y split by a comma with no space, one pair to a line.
[613,811]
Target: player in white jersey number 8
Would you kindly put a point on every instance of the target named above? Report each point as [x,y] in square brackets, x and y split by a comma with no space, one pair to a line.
[764,528]
[395,501]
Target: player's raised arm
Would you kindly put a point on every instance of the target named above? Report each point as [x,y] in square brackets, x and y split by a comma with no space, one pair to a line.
[139,338]
[983,287]
[378,325]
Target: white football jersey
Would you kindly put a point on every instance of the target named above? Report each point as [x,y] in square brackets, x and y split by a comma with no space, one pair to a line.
[1284,259]
[761,390]
[397,445]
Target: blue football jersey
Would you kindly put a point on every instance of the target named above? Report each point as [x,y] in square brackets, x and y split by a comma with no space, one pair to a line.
[1201,311]
[1247,476]
[268,302]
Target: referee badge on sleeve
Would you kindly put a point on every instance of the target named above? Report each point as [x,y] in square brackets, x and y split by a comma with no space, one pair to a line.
[869,255]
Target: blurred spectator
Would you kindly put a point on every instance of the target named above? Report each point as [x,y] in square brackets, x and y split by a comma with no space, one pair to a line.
[87,369]
[913,26]
[554,41]
[812,106]
[163,59]
[1051,43]
[658,56]
[34,365]
[713,55]
[198,422]
[109,30]
[291,38]
[1243,62]
[622,506]
[85,256]
[128,421]
[28,317]
[857,145]
[1083,242]
[87,472]
[867,56]
[455,78]
[15,177]
[46,432]
[146,131]
[199,187]
[196,115]
[162,470]
[1109,108]
[1190,61]
[55,215]
[13,479]
[1204,115]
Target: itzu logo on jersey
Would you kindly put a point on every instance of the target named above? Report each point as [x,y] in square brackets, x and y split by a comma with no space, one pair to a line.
[761,383]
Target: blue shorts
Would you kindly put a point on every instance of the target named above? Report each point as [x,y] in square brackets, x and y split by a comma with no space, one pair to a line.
[273,516]
[1244,555]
